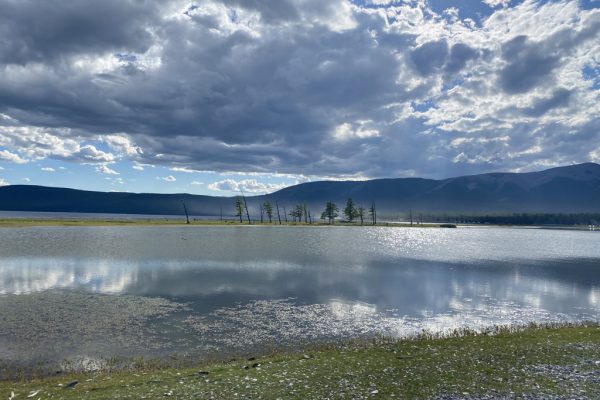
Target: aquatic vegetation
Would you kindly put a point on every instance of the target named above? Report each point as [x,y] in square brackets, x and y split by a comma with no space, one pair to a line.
[51,325]
[533,363]
[285,323]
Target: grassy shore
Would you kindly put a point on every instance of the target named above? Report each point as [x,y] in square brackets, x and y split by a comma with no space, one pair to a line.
[561,362]
[174,221]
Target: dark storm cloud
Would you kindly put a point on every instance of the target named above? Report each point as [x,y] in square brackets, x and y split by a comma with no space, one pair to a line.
[559,98]
[433,57]
[44,30]
[270,10]
[460,54]
[531,63]
[430,57]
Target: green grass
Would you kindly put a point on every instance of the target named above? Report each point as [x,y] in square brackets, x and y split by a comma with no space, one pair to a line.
[173,221]
[503,364]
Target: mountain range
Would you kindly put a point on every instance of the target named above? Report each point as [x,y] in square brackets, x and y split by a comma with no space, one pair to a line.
[569,189]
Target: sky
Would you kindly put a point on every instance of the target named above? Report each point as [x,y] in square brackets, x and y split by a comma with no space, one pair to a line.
[216,96]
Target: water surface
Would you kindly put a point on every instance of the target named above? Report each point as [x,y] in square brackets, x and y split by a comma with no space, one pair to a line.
[218,290]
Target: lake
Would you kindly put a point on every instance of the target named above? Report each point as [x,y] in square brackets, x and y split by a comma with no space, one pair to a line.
[85,294]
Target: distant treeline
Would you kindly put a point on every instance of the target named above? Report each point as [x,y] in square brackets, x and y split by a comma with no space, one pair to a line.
[517,219]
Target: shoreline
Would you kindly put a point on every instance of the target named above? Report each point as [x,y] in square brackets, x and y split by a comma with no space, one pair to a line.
[26,222]
[531,362]
[69,222]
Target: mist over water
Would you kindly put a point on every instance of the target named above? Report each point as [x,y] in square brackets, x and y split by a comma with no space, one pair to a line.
[220,289]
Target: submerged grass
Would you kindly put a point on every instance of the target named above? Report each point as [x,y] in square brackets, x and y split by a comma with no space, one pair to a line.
[537,361]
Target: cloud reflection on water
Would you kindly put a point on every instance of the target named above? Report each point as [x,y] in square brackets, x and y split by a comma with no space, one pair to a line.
[337,282]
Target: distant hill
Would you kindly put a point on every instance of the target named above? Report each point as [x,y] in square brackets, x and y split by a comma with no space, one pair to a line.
[570,189]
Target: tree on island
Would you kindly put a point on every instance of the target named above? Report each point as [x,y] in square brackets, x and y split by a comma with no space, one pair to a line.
[268,210]
[187,217]
[299,212]
[246,207]
[278,214]
[360,212]
[350,211]
[239,208]
[373,213]
[330,213]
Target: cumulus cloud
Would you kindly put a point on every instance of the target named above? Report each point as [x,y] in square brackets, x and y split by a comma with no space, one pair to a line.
[38,143]
[496,3]
[48,169]
[90,154]
[245,185]
[6,155]
[302,87]
[105,169]
[121,144]
[348,131]
[3,182]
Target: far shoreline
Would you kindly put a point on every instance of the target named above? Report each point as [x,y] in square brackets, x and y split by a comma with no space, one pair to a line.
[17,222]
[34,222]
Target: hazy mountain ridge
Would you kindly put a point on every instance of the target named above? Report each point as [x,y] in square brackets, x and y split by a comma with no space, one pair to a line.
[569,189]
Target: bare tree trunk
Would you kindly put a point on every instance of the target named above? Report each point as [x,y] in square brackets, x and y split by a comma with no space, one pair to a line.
[246,207]
[278,215]
[261,213]
[309,218]
[285,215]
[187,217]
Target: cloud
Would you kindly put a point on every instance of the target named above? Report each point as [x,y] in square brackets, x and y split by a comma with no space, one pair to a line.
[72,28]
[559,98]
[348,131]
[245,185]
[3,182]
[196,183]
[90,154]
[6,155]
[300,87]
[27,180]
[37,143]
[48,169]
[169,178]
[496,3]
[121,144]
[529,64]
[430,57]
[182,169]
[104,169]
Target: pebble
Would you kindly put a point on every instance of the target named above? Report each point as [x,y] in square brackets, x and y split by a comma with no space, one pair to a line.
[71,385]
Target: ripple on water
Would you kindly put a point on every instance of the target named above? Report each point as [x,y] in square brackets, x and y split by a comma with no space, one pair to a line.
[283,322]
